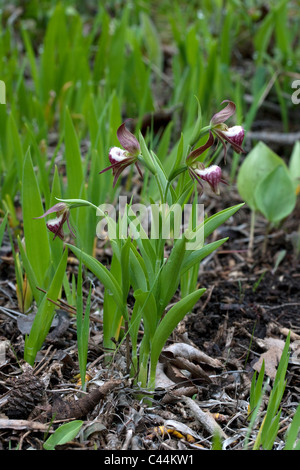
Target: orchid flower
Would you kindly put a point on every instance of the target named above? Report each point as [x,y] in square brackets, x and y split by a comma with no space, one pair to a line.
[233,135]
[120,158]
[212,175]
[55,225]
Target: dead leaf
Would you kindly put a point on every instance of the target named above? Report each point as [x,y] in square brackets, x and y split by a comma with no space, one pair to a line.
[162,381]
[271,357]
[193,354]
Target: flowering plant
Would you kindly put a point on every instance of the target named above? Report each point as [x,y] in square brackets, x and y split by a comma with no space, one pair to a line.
[139,262]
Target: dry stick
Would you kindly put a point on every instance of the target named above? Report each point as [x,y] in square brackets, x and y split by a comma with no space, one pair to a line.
[205,419]
[19,424]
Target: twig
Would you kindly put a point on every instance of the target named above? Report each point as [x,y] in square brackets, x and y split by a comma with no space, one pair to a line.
[19,424]
[276,137]
[204,418]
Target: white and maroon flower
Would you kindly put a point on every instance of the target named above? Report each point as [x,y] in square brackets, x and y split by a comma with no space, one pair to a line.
[233,135]
[55,225]
[212,175]
[120,158]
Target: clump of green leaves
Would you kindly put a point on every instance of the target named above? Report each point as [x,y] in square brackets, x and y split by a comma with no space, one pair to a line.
[267,184]
[269,419]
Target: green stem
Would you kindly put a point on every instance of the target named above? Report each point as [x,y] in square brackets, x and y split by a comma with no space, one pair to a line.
[160,188]
[204,131]
[74,203]
[146,164]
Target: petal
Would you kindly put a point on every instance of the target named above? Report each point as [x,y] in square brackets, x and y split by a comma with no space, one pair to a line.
[117,173]
[108,168]
[194,176]
[72,231]
[224,114]
[128,140]
[56,226]
[197,152]
[139,170]
[117,155]
[59,207]
[236,134]
[234,143]
[212,175]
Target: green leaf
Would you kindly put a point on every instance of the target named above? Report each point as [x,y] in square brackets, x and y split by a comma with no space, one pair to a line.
[124,261]
[294,166]
[138,272]
[45,313]
[271,422]
[256,388]
[3,227]
[191,258]
[30,273]
[102,273]
[292,432]
[198,125]
[82,322]
[256,166]
[35,231]
[65,433]
[170,274]
[73,160]
[148,160]
[147,304]
[152,41]
[179,156]
[169,323]
[214,221]
[275,197]
[76,184]
[14,150]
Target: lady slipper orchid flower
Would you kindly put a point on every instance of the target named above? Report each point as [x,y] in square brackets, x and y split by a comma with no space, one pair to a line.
[120,158]
[212,175]
[55,225]
[233,135]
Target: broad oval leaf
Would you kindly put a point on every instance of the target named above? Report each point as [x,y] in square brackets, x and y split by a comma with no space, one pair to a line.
[275,197]
[256,166]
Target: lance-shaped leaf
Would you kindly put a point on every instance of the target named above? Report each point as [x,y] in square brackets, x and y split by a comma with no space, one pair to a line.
[45,313]
[35,231]
[102,273]
[168,324]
